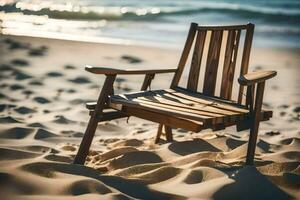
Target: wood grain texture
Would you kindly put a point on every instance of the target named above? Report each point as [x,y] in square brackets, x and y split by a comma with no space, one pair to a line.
[113,71]
[185,54]
[246,57]
[212,63]
[196,61]
[256,77]
[231,51]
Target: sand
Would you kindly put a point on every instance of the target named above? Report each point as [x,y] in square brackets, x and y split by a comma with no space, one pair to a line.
[42,119]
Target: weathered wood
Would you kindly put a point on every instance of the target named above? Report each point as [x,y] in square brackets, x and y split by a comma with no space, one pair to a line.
[185,54]
[246,57]
[186,108]
[166,119]
[169,135]
[255,118]
[109,115]
[113,71]
[165,110]
[231,51]
[196,61]
[222,28]
[250,98]
[147,81]
[256,77]
[212,63]
[93,122]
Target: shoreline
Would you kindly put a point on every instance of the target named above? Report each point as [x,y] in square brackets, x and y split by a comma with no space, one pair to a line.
[43,117]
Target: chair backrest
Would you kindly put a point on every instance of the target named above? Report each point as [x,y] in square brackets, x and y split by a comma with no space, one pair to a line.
[214,39]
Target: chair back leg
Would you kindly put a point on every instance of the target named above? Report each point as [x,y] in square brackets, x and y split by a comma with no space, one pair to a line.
[168,132]
[255,119]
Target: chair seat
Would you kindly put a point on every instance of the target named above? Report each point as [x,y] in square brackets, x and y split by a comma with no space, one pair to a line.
[193,111]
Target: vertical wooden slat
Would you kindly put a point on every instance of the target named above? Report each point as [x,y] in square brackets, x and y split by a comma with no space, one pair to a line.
[212,63]
[196,61]
[185,54]
[147,81]
[229,63]
[246,57]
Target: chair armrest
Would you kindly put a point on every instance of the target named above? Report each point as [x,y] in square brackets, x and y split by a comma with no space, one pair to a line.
[111,71]
[256,77]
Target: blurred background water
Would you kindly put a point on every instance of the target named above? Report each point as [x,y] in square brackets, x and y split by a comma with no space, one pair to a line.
[150,21]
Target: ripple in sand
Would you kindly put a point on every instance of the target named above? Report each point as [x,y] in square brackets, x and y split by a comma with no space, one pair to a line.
[88,186]
[134,158]
[24,110]
[19,186]
[16,133]
[188,147]
[13,154]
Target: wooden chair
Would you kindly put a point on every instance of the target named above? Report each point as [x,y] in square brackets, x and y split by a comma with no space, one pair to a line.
[185,107]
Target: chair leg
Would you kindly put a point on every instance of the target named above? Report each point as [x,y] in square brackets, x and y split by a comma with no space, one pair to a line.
[93,122]
[159,132]
[169,135]
[255,119]
[168,131]
[252,143]
[86,141]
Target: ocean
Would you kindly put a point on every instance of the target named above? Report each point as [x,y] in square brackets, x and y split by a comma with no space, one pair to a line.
[154,22]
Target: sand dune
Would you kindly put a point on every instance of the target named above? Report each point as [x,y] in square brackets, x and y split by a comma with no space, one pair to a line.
[42,116]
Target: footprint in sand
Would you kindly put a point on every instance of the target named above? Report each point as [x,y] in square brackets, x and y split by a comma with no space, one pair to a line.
[43,134]
[54,74]
[9,120]
[40,51]
[69,67]
[41,100]
[80,80]
[24,110]
[20,62]
[131,59]
[36,82]
[16,133]
[62,120]
[27,93]
[16,87]
[21,75]
[16,45]
[6,67]
[37,125]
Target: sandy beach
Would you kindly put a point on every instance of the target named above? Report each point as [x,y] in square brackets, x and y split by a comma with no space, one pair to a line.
[43,91]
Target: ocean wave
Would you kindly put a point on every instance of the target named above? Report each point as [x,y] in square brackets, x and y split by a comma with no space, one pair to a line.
[123,13]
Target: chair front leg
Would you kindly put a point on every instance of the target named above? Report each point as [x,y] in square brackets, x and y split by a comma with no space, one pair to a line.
[94,119]
[254,123]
